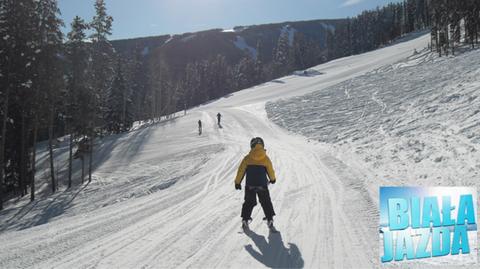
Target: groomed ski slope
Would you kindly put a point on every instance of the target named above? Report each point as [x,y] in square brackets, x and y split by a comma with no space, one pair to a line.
[163,197]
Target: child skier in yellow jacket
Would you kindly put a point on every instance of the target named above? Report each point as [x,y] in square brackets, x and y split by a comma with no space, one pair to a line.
[256,165]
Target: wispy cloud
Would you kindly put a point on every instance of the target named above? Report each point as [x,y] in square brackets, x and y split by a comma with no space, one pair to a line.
[351,3]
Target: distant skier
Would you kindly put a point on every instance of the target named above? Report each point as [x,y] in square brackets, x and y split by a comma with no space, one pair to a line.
[199,127]
[219,117]
[256,165]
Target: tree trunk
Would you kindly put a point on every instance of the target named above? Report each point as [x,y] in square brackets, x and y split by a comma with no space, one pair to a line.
[2,145]
[34,157]
[452,37]
[154,105]
[23,157]
[83,169]
[447,39]
[50,148]
[82,157]
[70,160]
[90,159]
[439,43]
[431,40]
[124,112]
[476,34]
[472,33]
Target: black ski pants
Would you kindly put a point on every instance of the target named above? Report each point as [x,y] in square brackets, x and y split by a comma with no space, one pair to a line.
[251,201]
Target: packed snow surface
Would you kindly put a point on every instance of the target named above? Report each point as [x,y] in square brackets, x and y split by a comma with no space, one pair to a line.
[163,196]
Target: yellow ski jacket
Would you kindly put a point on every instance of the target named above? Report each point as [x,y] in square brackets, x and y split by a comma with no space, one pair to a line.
[256,165]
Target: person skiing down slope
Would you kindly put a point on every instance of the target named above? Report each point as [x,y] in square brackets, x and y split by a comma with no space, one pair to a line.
[199,127]
[256,165]
[219,117]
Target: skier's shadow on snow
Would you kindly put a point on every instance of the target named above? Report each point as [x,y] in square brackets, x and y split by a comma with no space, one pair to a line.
[273,253]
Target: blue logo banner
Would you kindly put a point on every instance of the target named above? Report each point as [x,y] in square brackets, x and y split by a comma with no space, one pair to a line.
[435,225]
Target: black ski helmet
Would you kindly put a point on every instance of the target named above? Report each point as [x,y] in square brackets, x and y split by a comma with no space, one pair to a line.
[256,140]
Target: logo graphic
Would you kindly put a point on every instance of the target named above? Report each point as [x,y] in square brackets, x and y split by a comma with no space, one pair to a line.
[436,225]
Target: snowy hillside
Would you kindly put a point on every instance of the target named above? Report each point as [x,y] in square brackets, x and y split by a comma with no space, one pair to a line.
[415,122]
[163,196]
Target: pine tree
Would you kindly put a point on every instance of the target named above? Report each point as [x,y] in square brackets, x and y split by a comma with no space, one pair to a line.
[471,21]
[139,79]
[217,76]
[300,51]
[259,75]
[192,84]
[282,59]
[102,56]
[4,93]
[79,94]
[17,25]
[454,23]
[50,72]
[244,73]
[119,116]
[410,8]
[102,23]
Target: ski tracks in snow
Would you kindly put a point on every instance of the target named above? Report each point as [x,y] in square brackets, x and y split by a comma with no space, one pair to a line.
[318,211]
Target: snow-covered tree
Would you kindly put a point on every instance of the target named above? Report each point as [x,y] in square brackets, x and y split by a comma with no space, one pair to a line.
[282,60]
[244,73]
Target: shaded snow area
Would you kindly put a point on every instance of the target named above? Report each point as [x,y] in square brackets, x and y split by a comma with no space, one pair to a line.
[242,45]
[413,123]
[126,166]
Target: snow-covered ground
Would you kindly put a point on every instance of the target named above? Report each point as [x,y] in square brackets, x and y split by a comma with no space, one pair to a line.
[163,196]
[416,122]
[411,123]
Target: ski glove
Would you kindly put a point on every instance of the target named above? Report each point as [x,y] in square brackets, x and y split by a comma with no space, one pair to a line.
[238,186]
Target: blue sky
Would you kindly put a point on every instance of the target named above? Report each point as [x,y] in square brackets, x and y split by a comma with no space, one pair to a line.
[139,18]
